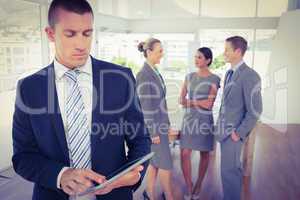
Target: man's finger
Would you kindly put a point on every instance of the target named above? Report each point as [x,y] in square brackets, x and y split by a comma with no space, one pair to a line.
[72,187]
[80,188]
[83,181]
[94,176]
[69,190]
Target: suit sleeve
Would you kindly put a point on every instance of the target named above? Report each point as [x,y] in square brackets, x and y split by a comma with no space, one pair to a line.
[138,141]
[27,159]
[253,105]
[146,92]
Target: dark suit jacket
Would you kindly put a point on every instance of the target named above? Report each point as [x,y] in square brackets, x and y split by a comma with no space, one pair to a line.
[39,142]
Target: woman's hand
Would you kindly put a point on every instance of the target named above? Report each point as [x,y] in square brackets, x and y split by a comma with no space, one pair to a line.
[187,103]
[182,101]
[155,140]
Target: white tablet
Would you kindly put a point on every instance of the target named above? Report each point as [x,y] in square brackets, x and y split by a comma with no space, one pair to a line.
[118,173]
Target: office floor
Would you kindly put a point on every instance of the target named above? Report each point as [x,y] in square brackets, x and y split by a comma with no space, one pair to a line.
[275,172]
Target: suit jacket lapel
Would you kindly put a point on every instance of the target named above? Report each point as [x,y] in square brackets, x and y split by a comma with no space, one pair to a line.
[97,95]
[234,78]
[152,73]
[55,113]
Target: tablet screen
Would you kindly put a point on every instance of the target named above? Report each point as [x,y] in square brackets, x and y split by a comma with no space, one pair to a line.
[119,172]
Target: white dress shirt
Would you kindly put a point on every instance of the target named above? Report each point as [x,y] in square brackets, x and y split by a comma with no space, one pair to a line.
[235,67]
[85,81]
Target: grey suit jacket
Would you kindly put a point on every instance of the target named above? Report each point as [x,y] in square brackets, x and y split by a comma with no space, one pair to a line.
[152,98]
[241,104]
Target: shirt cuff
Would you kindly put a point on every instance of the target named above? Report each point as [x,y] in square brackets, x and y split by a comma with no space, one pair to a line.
[59,176]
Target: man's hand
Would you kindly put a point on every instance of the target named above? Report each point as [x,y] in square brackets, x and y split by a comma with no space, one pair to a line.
[128,179]
[235,137]
[74,181]
[155,140]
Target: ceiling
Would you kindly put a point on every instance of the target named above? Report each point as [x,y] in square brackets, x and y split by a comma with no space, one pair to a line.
[148,9]
[27,13]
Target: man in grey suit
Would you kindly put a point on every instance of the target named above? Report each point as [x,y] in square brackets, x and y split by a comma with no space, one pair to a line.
[240,109]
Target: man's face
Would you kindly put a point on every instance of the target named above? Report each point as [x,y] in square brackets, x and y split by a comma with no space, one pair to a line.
[72,36]
[230,54]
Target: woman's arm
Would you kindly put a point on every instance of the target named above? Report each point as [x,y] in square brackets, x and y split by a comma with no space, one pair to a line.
[205,103]
[183,93]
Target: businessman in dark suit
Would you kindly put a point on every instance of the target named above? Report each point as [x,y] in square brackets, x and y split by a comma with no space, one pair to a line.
[73,117]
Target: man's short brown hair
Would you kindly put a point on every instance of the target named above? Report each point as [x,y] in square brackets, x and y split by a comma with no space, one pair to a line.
[238,42]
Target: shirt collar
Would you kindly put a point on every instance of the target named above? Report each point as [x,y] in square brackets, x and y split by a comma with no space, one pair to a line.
[60,69]
[235,67]
[153,67]
[149,64]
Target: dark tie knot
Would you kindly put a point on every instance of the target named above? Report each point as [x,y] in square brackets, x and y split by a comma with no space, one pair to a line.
[229,76]
[230,72]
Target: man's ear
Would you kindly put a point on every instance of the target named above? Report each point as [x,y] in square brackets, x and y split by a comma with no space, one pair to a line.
[239,51]
[50,33]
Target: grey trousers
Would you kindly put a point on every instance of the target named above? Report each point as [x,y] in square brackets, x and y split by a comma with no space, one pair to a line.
[231,169]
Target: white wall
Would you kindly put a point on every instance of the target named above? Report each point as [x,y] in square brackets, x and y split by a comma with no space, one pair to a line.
[281,97]
[110,24]
[192,25]
[6,108]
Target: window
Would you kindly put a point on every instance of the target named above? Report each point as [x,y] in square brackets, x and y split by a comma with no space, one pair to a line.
[121,48]
[176,49]
[20,31]
[174,67]
[20,52]
[263,44]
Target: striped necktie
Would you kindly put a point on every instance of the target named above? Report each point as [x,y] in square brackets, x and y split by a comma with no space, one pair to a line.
[77,124]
